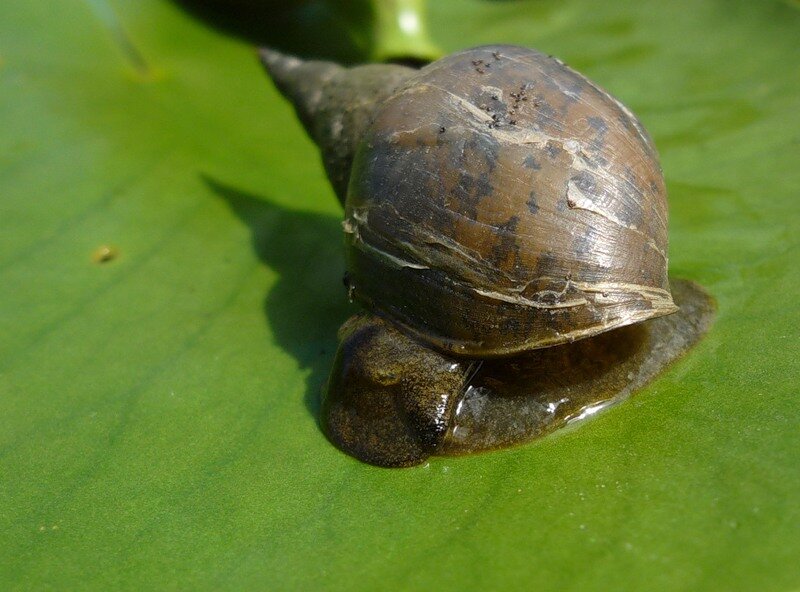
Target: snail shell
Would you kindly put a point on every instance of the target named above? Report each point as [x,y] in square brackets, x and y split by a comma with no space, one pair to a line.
[496,203]
[502,202]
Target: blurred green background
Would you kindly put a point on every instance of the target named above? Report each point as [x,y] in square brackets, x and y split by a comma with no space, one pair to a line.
[170,290]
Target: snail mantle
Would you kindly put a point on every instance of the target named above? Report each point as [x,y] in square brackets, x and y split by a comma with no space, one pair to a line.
[505,231]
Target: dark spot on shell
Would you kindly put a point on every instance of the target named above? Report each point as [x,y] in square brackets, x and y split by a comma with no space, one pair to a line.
[463,193]
[600,127]
[484,187]
[469,192]
[533,207]
[586,182]
[598,124]
[552,150]
[531,163]
[598,160]
[584,243]
[505,254]
[442,129]
[630,210]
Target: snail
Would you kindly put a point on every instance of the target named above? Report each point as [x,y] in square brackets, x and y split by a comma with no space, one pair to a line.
[506,234]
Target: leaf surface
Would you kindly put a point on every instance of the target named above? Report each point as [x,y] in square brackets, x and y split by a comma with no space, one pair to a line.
[158,409]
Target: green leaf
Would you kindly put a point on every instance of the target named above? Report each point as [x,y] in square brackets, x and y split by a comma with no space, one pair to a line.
[158,400]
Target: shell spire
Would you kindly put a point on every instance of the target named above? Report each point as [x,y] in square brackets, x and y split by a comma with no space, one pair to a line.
[334,103]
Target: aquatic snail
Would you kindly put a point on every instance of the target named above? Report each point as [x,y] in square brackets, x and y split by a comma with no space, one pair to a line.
[506,233]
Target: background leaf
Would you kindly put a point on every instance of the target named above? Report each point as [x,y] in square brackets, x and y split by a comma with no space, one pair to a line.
[158,410]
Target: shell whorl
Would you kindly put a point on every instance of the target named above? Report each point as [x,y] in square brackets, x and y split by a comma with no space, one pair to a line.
[335,104]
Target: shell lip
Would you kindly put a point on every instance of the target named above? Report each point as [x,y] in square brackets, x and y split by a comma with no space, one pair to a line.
[473,349]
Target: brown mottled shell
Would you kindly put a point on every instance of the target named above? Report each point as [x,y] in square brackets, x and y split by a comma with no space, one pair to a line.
[502,202]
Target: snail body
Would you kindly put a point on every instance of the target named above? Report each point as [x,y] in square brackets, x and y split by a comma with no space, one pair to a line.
[496,203]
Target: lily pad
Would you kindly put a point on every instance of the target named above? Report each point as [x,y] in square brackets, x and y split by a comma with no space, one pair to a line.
[170,271]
